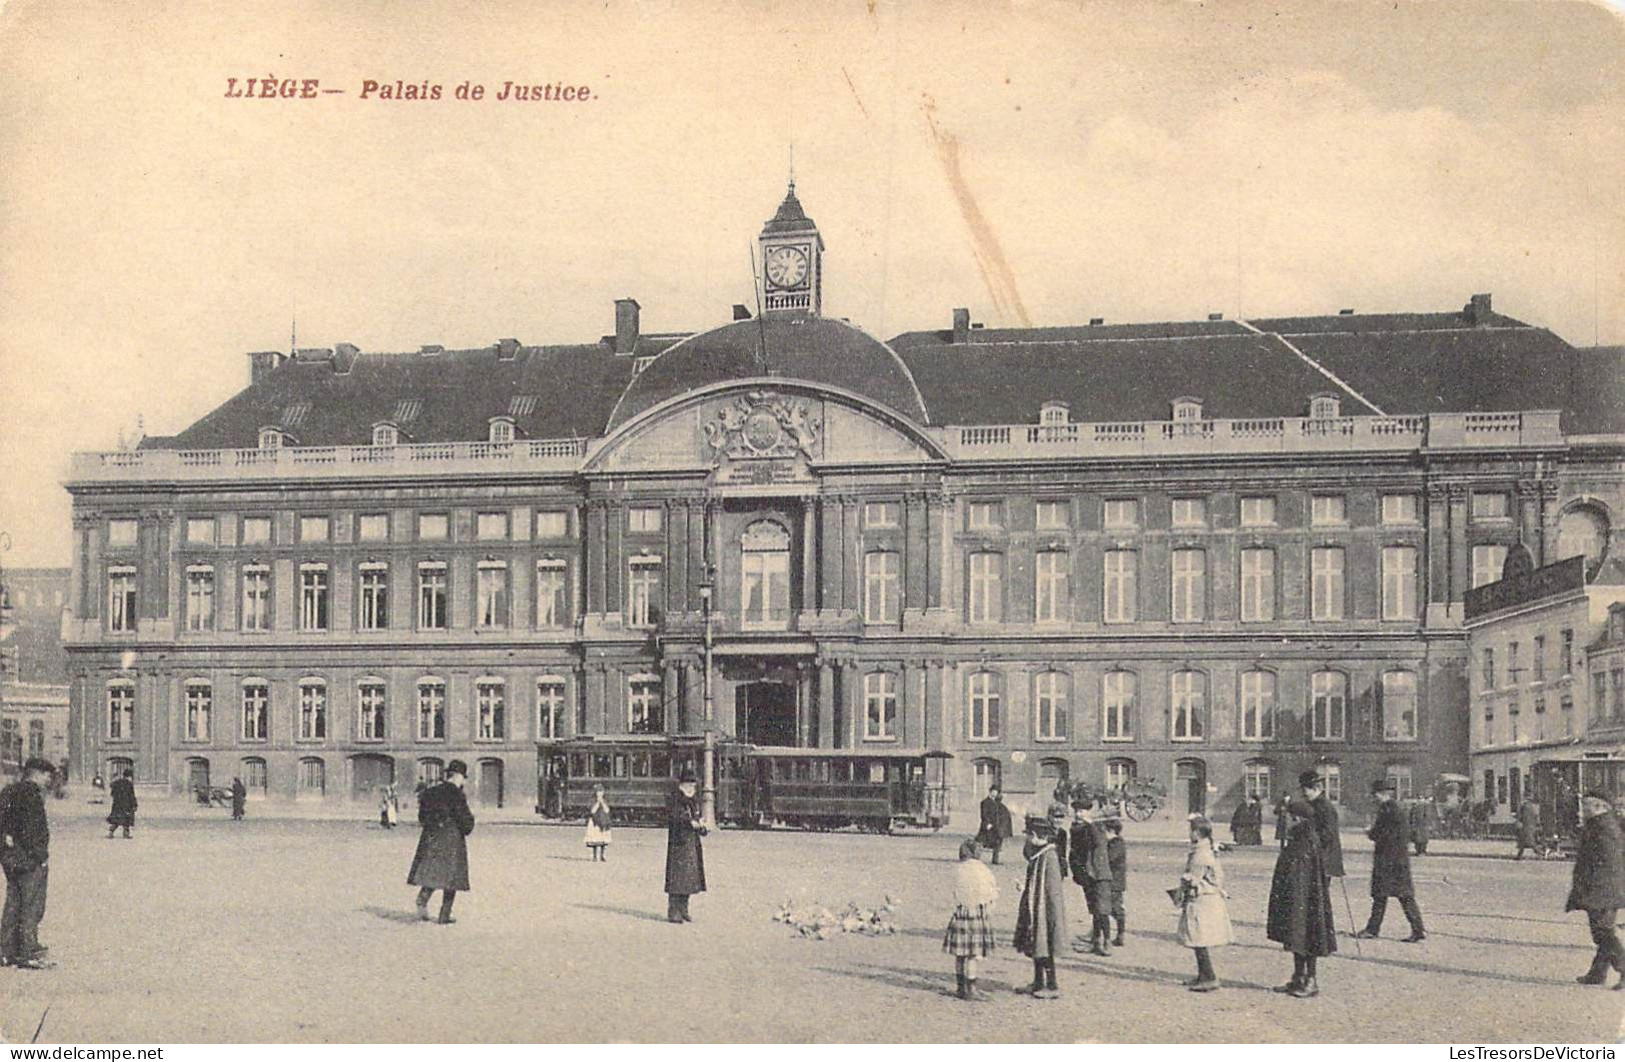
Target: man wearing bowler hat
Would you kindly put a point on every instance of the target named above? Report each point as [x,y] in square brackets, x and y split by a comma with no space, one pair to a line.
[1390,865]
[685,859]
[1300,905]
[25,852]
[1598,885]
[441,861]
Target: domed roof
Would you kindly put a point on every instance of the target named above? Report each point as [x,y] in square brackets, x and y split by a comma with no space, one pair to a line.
[815,349]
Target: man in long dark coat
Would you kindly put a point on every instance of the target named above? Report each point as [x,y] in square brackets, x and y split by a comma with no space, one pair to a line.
[441,860]
[1391,865]
[995,828]
[1090,864]
[25,853]
[685,858]
[1419,826]
[1300,906]
[1528,825]
[122,815]
[239,798]
[1598,886]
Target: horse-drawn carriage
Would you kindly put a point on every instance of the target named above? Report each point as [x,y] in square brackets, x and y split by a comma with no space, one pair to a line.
[1137,799]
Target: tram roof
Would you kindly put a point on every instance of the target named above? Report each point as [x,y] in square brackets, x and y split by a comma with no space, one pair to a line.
[846,754]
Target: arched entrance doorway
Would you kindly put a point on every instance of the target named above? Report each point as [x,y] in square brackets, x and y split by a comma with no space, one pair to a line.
[765,713]
[370,772]
[490,783]
[1190,788]
[197,774]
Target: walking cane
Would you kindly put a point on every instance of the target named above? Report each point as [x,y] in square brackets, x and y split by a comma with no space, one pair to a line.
[1349,907]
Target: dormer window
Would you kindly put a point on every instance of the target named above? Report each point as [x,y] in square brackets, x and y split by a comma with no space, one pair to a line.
[501,430]
[1187,408]
[1325,407]
[271,439]
[385,435]
[1053,413]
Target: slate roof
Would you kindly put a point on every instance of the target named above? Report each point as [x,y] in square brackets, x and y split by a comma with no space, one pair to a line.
[789,217]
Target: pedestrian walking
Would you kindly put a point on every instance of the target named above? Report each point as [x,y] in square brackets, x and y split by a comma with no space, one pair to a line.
[441,859]
[389,807]
[1528,826]
[1391,865]
[1300,904]
[1255,820]
[685,858]
[1419,812]
[1091,868]
[598,823]
[970,928]
[25,853]
[1282,823]
[122,815]
[1238,824]
[1041,921]
[1598,885]
[1204,917]
[239,798]
[995,828]
[1117,857]
[98,788]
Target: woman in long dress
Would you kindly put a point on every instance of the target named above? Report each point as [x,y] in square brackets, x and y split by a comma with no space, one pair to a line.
[598,824]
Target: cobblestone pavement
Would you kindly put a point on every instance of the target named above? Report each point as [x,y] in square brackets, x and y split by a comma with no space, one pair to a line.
[201,929]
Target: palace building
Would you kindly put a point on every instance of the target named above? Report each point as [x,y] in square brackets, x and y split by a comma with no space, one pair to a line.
[1209,553]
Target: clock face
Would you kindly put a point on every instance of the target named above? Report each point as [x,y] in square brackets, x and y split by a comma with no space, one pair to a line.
[786,266]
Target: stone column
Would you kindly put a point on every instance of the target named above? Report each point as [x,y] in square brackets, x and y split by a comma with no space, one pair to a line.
[809,556]
[1460,557]
[670,708]
[911,709]
[915,550]
[829,541]
[1529,516]
[1546,528]
[614,557]
[594,550]
[597,698]
[804,705]
[826,704]
[693,692]
[936,512]
[851,586]
[676,557]
[695,545]
[1437,565]
[851,707]
[84,588]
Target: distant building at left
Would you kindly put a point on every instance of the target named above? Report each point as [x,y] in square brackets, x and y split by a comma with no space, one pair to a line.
[33,667]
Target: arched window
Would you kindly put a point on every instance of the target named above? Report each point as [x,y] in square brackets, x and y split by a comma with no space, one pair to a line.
[430,770]
[312,778]
[1187,407]
[1401,775]
[490,709]
[985,700]
[256,709]
[550,706]
[1325,406]
[986,774]
[985,601]
[1256,700]
[1187,705]
[764,584]
[1328,705]
[501,430]
[312,709]
[1583,531]
[120,710]
[882,586]
[1119,697]
[385,435]
[1120,772]
[645,714]
[880,706]
[1052,774]
[372,709]
[256,776]
[199,709]
[270,438]
[117,765]
[1052,697]
[1333,774]
[1258,779]
[431,709]
[1054,412]
[1398,691]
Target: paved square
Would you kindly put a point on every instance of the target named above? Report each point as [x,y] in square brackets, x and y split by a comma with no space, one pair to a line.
[201,929]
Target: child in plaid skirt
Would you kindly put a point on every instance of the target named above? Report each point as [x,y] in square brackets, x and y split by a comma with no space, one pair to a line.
[970,934]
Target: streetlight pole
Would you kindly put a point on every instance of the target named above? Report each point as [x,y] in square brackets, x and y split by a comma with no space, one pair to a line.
[708,768]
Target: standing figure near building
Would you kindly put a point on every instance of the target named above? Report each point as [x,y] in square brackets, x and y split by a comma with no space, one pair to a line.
[1238,824]
[970,928]
[1282,823]
[995,828]
[1117,856]
[1091,869]
[25,852]
[1598,886]
[1041,921]
[1204,918]
[1529,825]
[239,798]
[599,820]
[441,859]
[389,807]
[1419,812]
[1300,905]
[1391,865]
[122,815]
[685,858]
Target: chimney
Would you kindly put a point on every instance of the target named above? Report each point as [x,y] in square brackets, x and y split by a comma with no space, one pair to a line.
[262,362]
[344,355]
[507,349]
[430,350]
[1477,310]
[1094,321]
[1346,313]
[741,313]
[961,324]
[626,325]
[1215,317]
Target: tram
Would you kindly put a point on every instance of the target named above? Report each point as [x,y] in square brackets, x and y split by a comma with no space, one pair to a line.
[1559,784]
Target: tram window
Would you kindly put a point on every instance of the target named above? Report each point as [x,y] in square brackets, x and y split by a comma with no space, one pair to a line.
[660,764]
[821,770]
[640,765]
[620,765]
[841,772]
[578,764]
[600,765]
[877,773]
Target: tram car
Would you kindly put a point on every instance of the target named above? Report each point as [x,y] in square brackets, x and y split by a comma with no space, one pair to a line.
[757,786]
[1559,784]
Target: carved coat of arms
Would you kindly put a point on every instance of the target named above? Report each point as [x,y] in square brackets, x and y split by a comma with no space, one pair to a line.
[763,424]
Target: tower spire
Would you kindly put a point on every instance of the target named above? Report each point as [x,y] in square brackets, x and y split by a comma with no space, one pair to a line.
[792,167]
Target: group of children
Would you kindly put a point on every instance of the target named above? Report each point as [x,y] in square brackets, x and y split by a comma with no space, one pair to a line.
[1097,857]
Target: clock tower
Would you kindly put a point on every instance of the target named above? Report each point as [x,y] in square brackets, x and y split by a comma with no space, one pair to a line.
[792,260]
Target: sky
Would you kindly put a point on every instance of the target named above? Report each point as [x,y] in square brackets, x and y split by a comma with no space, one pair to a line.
[1034,161]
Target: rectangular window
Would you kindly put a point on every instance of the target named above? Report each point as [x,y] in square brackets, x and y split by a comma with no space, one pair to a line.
[1053,586]
[986,588]
[199,706]
[256,711]
[644,519]
[882,587]
[491,527]
[1538,660]
[1257,706]
[1326,590]
[1400,775]
[1257,585]
[122,533]
[1052,515]
[374,598]
[200,531]
[552,523]
[1190,512]
[491,595]
[1599,696]
[643,602]
[1258,511]
[1327,510]
[1050,706]
[432,711]
[1399,706]
[120,713]
[491,711]
[644,712]
[1189,585]
[1334,781]
[121,599]
[373,527]
[1490,506]
[1567,659]
[1119,773]
[552,583]
[1487,669]
[1616,678]
[1488,561]
[882,515]
[256,530]
[985,706]
[549,708]
[433,527]
[880,706]
[1258,780]
[1119,690]
[1328,705]
[1187,703]
[200,599]
[433,597]
[314,528]
[1398,583]
[1122,513]
[374,715]
[313,597]
[1122,585]
[986,515]
[256,598]
[313,711]
[1399,509]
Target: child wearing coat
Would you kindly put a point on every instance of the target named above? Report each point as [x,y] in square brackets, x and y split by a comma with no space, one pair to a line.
[598,823]
[1204,919]
[1117,859]
[1041,922]
[970,933]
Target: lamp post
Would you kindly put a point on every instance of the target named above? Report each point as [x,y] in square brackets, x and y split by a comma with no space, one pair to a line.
[708,763]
